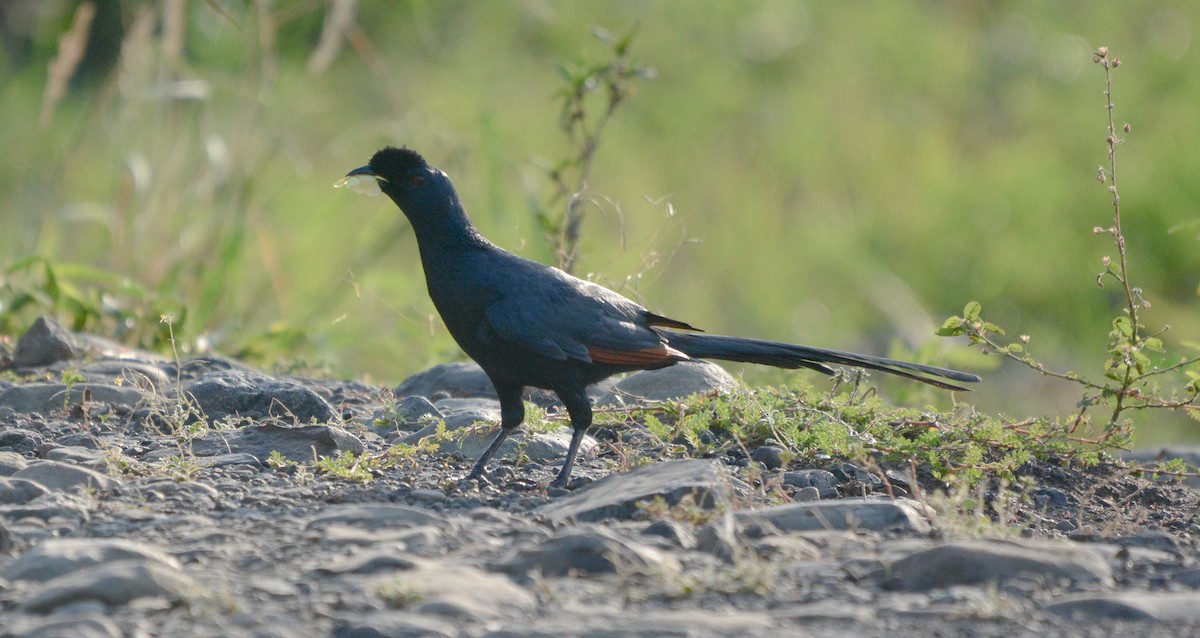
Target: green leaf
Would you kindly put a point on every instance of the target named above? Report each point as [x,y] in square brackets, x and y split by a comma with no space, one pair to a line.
[971,310]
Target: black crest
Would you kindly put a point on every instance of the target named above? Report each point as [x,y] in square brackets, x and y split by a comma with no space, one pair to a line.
[393,161]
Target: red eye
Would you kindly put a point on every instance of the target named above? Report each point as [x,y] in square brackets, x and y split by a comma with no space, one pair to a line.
[416,180]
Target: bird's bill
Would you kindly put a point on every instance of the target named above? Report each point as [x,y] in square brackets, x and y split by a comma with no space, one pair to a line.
[361,180]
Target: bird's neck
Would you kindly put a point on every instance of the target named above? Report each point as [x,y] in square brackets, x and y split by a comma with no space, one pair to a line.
[446,229]
[448,243]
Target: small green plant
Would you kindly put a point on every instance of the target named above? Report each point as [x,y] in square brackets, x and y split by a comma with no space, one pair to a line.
[348,466]
[590,100]
[1131,374]
[181,466]
[399,593]
[70,377]
[277,461]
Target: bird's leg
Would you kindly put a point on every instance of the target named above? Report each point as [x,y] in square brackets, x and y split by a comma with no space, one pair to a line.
[580,409]
[512,412]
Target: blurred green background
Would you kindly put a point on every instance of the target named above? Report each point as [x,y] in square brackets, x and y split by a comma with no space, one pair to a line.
[837,174]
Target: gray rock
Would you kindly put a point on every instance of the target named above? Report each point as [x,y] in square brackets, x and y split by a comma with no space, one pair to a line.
[44,398]
[807,494]
[465,413]
[618,495]
[19,441]
[394,624]
[1132,605]
[674,531]
[675,382]
[58,557]
[232,459]
[11,462]
[1188,578]
[368,562]
[238,393]
[134,374]
[603,622]
[844,610]
[718,537]
[479,408]
[375,516]
[19,490]
[87,625]
[579,552]
[986,561]
[44,343]
[461,593]
[77,455]
[465,379]
[771,456]
[871,514]
[113,584]
[413,409]
[55,475]
[295,443]
[823,480]
[49,507]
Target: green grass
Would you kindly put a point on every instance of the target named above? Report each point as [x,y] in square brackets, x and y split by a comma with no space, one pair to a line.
[843,175]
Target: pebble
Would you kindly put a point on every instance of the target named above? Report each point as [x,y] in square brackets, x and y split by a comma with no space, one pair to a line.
[111,527]
[866,514]
[981,562]
[46,342]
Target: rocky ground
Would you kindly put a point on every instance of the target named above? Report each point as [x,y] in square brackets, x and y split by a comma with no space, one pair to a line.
[140,497]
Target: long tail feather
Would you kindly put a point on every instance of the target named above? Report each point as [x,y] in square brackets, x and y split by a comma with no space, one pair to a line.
[786,355]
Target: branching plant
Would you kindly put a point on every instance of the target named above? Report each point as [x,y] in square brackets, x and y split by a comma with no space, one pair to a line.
[589,102]
[1131,375]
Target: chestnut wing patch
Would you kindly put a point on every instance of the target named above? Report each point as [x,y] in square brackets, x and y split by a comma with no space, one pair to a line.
[641,357]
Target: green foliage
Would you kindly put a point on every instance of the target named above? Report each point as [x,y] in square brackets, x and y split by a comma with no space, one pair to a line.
[589,88]
[1130,372]
[961,448]
[895,165]
[85,298]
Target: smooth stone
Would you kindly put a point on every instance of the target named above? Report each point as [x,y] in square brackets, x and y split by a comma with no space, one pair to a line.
[375,516]
[11,463]
[88,624]
[369,562]
[534,446]
[44,398]
[679,381]
[591,551]
[867,514]
[1131,605]
[45,342]
[295,443]
[248,395]
[20,490]
[57,557]
[134,374]
[394,624]
[462,593]
[771,456]
[618,495]
[77,455]
[113,584]
[973,562]
[55,475]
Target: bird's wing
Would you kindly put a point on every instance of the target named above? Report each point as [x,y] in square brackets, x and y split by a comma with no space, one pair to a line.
[562,317]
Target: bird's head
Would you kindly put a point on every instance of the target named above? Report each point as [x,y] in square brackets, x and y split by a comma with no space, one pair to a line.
[404,176]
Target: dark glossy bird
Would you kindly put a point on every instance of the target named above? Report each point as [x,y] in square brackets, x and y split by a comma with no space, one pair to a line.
[530,325]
